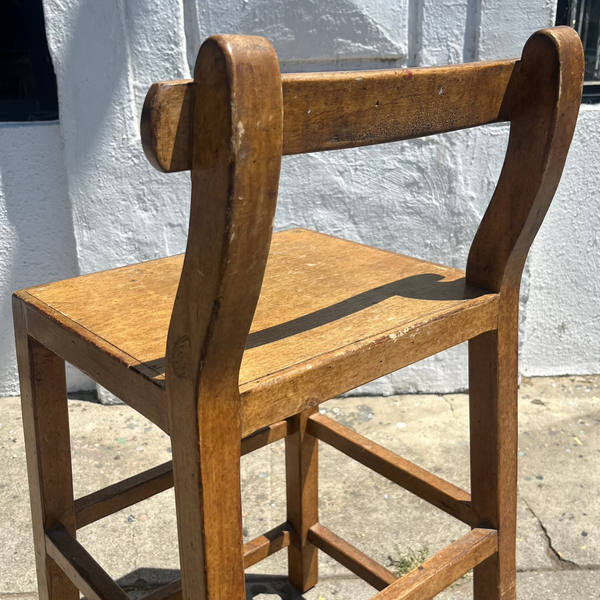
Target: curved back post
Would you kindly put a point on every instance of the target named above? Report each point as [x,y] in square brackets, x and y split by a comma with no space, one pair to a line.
[236,138]
[545,95]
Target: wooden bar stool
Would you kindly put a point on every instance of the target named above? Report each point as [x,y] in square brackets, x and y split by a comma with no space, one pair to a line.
[235,344]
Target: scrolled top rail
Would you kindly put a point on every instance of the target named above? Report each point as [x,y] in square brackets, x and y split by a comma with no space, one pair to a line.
[330,111]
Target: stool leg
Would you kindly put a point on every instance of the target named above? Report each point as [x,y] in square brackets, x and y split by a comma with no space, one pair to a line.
[206,469]
[493,377]
[47,445]
[301,463]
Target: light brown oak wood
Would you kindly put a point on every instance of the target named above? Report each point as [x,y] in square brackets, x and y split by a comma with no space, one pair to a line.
[83,571]
[263,546]
[122,494]
[349,556]
[302,496]
[171,591]
[357,317]
[96,584]
[543,118]
[235,174]
[47,445]
[443,569]
[251,330]
[258,549]
[330,111]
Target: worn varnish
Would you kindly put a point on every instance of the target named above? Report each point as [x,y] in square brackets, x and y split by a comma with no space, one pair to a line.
[324,302]
[330,111]
[234,345]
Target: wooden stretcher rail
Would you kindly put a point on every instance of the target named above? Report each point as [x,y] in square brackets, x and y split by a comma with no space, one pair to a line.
[91,579]
[436,491]
[113,498]
[85,573]
[116,497]
[259,548]
[254,551]
[443,569]
[350,557]
[265,436]
[171,591]
[330,111]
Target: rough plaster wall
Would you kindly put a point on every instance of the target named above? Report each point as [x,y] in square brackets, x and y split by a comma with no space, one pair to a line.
[422,197]
[505,26]
[562,329]
[319,32]
[106,55]
[36,235]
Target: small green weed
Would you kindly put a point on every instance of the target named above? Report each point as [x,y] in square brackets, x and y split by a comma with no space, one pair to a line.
[408,560]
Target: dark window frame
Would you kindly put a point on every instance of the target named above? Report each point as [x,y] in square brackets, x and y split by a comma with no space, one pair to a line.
[584,17]
[28,89]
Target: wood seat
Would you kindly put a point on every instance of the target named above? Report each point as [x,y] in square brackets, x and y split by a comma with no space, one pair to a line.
[323,299]
[233,346]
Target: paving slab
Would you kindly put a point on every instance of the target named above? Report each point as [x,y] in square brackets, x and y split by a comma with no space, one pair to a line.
[559,478]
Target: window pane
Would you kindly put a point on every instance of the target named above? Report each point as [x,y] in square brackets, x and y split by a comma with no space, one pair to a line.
[584,17]
[27,80]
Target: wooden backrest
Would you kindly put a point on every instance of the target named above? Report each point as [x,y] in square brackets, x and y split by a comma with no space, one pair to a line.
[330,111]
[232,123]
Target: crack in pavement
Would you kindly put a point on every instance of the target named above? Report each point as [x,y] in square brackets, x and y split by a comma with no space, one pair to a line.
[561,563]
[447,401]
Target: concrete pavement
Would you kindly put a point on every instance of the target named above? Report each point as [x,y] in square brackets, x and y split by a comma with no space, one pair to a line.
[559,503]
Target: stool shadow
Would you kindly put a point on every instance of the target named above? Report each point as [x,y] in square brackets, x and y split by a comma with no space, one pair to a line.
[141,582]
[425,286]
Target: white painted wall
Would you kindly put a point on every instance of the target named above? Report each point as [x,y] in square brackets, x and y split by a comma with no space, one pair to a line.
[422,197]
[36,232]
[562,325]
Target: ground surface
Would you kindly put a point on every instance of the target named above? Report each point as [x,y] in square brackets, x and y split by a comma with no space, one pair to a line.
[559,504]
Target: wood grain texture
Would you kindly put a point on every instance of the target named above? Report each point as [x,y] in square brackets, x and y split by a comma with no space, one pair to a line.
[166,116]
[493,414]
[429,487]
[332,315]
[334,110]
[235,176]
[443,569]
[302,500]
[120,373]
[249,329]
[263,437]
[171,591]
[122,494]
[543,116]
[96,584]
[47,445]
[349,556]
[263,546]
